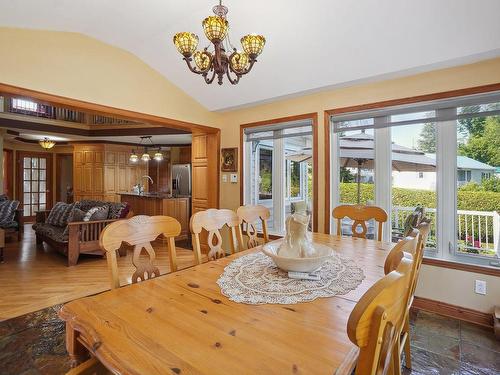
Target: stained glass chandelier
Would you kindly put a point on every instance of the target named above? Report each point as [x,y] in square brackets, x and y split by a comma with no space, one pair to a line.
[213,61]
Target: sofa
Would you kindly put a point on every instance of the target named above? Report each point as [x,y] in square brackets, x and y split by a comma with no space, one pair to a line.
[10,217]
[74,229]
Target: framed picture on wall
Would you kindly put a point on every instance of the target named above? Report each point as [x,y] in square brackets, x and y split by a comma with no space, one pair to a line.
[229,162]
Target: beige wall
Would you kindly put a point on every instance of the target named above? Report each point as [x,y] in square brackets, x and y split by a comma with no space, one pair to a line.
[79,67]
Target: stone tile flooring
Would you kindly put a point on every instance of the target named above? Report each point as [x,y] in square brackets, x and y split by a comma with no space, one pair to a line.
[33,344]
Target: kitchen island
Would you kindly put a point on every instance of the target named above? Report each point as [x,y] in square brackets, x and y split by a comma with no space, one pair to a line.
[161,204]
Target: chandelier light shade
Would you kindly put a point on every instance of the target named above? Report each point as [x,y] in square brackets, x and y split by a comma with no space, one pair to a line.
[239,61]
[46,143]
[186,43]
[253,44]
[145,156]
[158,155]
[213,61]
[133,157]
[215,28]
[202,60]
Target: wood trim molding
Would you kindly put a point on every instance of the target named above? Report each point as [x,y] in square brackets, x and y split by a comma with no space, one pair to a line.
[418,98]
[100,109]
[462,266]
[453,311]
[314,117]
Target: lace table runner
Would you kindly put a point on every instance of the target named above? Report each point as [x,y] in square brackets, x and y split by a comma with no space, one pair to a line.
[254,279]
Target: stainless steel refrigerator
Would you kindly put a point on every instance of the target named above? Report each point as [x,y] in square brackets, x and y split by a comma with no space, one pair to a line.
[181,180]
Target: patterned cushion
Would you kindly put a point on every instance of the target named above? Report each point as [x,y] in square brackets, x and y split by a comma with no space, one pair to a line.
[75,215]
[116,210]
[7,211]
[3,197]
[54,232]
[97,213]
[9,224]
[59,214]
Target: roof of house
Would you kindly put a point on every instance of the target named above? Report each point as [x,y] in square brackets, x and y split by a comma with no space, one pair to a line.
[464,162]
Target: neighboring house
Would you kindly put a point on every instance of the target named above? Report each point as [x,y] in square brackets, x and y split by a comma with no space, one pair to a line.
[468,170]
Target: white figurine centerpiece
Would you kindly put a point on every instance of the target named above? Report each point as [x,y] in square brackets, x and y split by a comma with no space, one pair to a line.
[297,242]
[297,252]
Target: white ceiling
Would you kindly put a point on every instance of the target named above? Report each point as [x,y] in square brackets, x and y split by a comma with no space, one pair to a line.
[311,45]
[161,139]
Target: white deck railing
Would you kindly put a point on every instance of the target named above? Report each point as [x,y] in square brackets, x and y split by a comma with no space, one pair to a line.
[476,230]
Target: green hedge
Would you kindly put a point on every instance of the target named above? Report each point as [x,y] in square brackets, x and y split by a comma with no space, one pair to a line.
[466,200]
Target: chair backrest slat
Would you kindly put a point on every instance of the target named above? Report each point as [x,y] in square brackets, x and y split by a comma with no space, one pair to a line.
[139,231]
[213,220]
[250,215]
[359,214]
[377,318]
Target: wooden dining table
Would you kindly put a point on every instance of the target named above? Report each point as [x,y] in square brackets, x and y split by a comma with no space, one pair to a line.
[180,323]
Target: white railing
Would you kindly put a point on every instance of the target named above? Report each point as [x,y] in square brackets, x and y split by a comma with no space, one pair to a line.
[477,231]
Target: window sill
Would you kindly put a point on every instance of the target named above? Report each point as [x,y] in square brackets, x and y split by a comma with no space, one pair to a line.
[485,270]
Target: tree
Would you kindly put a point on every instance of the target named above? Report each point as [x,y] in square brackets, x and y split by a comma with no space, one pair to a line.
[427,140]
[346,175]
[484,146]
[471,126]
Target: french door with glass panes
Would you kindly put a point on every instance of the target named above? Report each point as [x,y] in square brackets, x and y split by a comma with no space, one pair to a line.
[34,183]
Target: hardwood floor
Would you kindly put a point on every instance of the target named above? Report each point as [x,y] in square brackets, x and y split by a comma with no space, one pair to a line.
[32,279]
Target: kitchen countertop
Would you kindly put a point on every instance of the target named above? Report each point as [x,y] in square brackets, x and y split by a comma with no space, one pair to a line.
[155,195]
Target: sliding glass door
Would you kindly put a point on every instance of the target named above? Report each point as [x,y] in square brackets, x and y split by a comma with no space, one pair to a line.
[278,170]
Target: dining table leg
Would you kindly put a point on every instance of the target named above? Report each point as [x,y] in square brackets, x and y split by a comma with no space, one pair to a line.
[77,352]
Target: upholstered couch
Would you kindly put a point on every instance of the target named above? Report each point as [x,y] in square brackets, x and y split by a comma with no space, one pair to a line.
[73,229]
[10,217]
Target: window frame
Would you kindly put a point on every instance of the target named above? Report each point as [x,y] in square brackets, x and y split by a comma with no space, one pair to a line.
[447,123]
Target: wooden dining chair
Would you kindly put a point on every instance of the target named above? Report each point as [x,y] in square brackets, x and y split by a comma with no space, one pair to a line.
[359,214]
[375,321]
[414,245]
[139,231]
[251,215]
[213,220]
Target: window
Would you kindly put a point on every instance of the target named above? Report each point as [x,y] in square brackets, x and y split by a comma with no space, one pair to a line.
[412,165]
[485,176]
[278,169]
[265,172]
[28,107]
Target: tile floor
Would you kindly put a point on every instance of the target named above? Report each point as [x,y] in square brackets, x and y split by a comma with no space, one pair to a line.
[33,344]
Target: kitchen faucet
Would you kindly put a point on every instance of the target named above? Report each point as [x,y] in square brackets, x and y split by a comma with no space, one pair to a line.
[141,187]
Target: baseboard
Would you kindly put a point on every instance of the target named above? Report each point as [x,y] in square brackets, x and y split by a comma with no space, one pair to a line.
[453,311]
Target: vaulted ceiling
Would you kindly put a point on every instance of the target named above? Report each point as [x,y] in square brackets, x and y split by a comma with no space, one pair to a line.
[311,45]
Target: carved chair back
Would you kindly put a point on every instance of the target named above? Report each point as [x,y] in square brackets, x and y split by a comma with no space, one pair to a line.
[376,320]
[213,220]
[360,214]
[250,216]
[139,231]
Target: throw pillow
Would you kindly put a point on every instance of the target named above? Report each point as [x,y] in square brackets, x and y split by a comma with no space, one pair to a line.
[7,211]
[97,213]
[59,214]
[75,215]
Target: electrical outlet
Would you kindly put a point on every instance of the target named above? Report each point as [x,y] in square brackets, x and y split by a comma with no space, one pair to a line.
[224,177]
[480,287]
